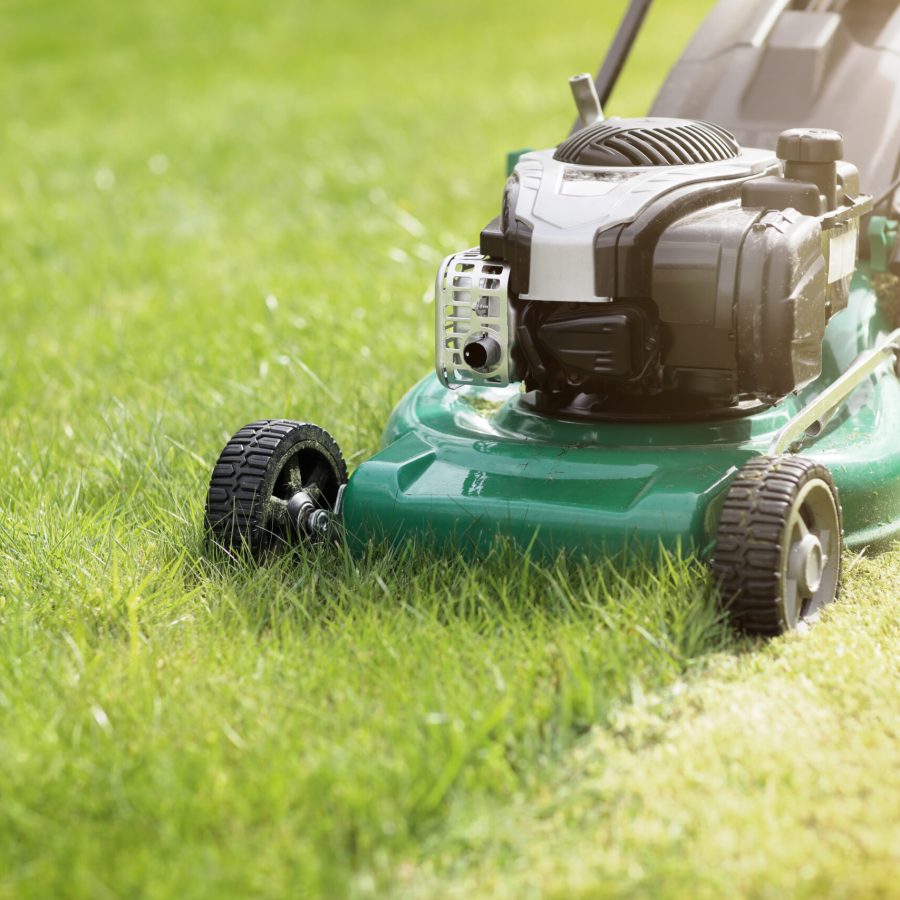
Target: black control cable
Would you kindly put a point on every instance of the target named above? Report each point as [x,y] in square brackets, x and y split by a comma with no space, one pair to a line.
[621,48]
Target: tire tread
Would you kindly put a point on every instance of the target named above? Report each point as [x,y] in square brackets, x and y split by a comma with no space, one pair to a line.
[749,541]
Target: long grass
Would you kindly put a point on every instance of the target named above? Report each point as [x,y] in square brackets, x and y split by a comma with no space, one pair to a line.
[216,212]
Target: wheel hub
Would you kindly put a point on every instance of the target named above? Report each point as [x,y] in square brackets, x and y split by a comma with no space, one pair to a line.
[306,515]
[807,564]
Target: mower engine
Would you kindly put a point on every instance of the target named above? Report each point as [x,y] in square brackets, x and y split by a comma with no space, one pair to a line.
[653,266]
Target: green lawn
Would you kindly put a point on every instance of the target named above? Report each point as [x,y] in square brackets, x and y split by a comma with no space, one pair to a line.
[216,212]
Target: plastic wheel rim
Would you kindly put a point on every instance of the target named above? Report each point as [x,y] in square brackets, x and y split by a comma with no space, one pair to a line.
[303,468]
[810,565]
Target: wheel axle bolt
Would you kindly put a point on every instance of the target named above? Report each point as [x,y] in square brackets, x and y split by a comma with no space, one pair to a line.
[319,522]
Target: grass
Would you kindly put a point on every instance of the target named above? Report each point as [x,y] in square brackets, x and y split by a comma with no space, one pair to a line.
[212,213]
[770,775]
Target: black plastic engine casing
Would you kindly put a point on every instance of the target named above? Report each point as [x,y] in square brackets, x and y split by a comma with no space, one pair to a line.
[743,293]
[783,304]
[590,342]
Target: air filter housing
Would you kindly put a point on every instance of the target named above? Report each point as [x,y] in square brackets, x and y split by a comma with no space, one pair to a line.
[648,142]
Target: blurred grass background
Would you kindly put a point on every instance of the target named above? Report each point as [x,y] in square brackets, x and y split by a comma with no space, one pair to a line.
[215,212]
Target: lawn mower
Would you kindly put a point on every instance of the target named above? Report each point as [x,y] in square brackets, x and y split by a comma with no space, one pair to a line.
[681,331]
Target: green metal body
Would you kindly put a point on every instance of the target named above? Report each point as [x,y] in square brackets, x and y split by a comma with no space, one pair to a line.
[457,468]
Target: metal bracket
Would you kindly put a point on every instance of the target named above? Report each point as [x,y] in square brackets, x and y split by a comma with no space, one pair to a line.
[810,422]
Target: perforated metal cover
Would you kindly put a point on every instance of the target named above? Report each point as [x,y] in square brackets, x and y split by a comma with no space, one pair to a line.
[648,142]
[472,301]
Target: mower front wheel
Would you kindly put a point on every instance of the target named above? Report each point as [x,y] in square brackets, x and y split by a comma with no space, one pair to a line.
[275,483]
[777,559]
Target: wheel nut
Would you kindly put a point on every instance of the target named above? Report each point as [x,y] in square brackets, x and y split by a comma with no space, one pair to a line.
[319,523]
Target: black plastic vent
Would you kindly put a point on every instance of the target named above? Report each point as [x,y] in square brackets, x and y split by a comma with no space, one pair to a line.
[648,142]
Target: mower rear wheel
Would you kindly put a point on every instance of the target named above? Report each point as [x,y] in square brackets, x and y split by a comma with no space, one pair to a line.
[273,485]
[777,559]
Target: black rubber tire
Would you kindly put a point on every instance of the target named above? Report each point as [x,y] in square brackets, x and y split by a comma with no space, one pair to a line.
[256,472]
[756,535]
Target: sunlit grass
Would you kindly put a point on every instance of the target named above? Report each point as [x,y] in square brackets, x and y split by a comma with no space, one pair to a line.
[212,213]
[317,716]
[772,775]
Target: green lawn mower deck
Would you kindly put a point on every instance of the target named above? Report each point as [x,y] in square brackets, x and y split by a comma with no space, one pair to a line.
[665,340]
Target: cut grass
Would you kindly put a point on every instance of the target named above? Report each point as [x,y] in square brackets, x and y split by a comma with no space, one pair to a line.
[770,776]
[213,214]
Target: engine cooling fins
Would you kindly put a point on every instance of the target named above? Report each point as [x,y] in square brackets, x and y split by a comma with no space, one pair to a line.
[648,142]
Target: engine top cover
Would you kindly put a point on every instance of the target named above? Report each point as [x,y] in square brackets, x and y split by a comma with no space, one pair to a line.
[648,142]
